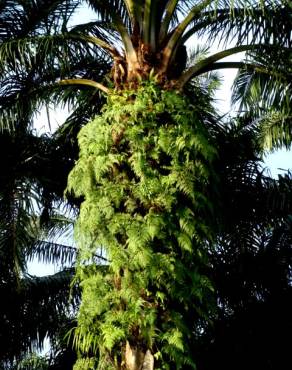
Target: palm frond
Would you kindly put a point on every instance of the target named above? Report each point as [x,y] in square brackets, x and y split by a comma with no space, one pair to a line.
[24,91]
[50,290]
[262,201]
[266,91]
[109,10]
[268,85]
[242,22]
[33,312]
[55,253]
[276,131]
[52,50]
[19,19]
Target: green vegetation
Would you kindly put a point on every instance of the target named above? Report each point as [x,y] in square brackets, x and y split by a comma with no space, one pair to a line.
[144,170]
[174,206]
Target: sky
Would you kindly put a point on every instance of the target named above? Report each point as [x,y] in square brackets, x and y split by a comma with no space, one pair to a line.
[277,163]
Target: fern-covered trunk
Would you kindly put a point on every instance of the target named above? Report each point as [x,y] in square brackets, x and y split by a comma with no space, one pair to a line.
[144,171]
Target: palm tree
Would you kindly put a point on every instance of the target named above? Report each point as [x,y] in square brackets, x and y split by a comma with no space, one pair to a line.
[146,167]
[146,172]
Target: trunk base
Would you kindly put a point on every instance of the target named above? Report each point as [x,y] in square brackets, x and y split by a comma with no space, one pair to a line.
[136,359]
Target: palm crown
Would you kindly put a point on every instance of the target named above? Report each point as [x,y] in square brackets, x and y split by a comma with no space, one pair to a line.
[153,34]
[134,38]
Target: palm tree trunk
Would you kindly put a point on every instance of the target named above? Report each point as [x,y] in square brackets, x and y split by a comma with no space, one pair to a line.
[137,359]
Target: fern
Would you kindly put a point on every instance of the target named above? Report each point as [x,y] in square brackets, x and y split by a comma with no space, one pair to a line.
[144,170]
